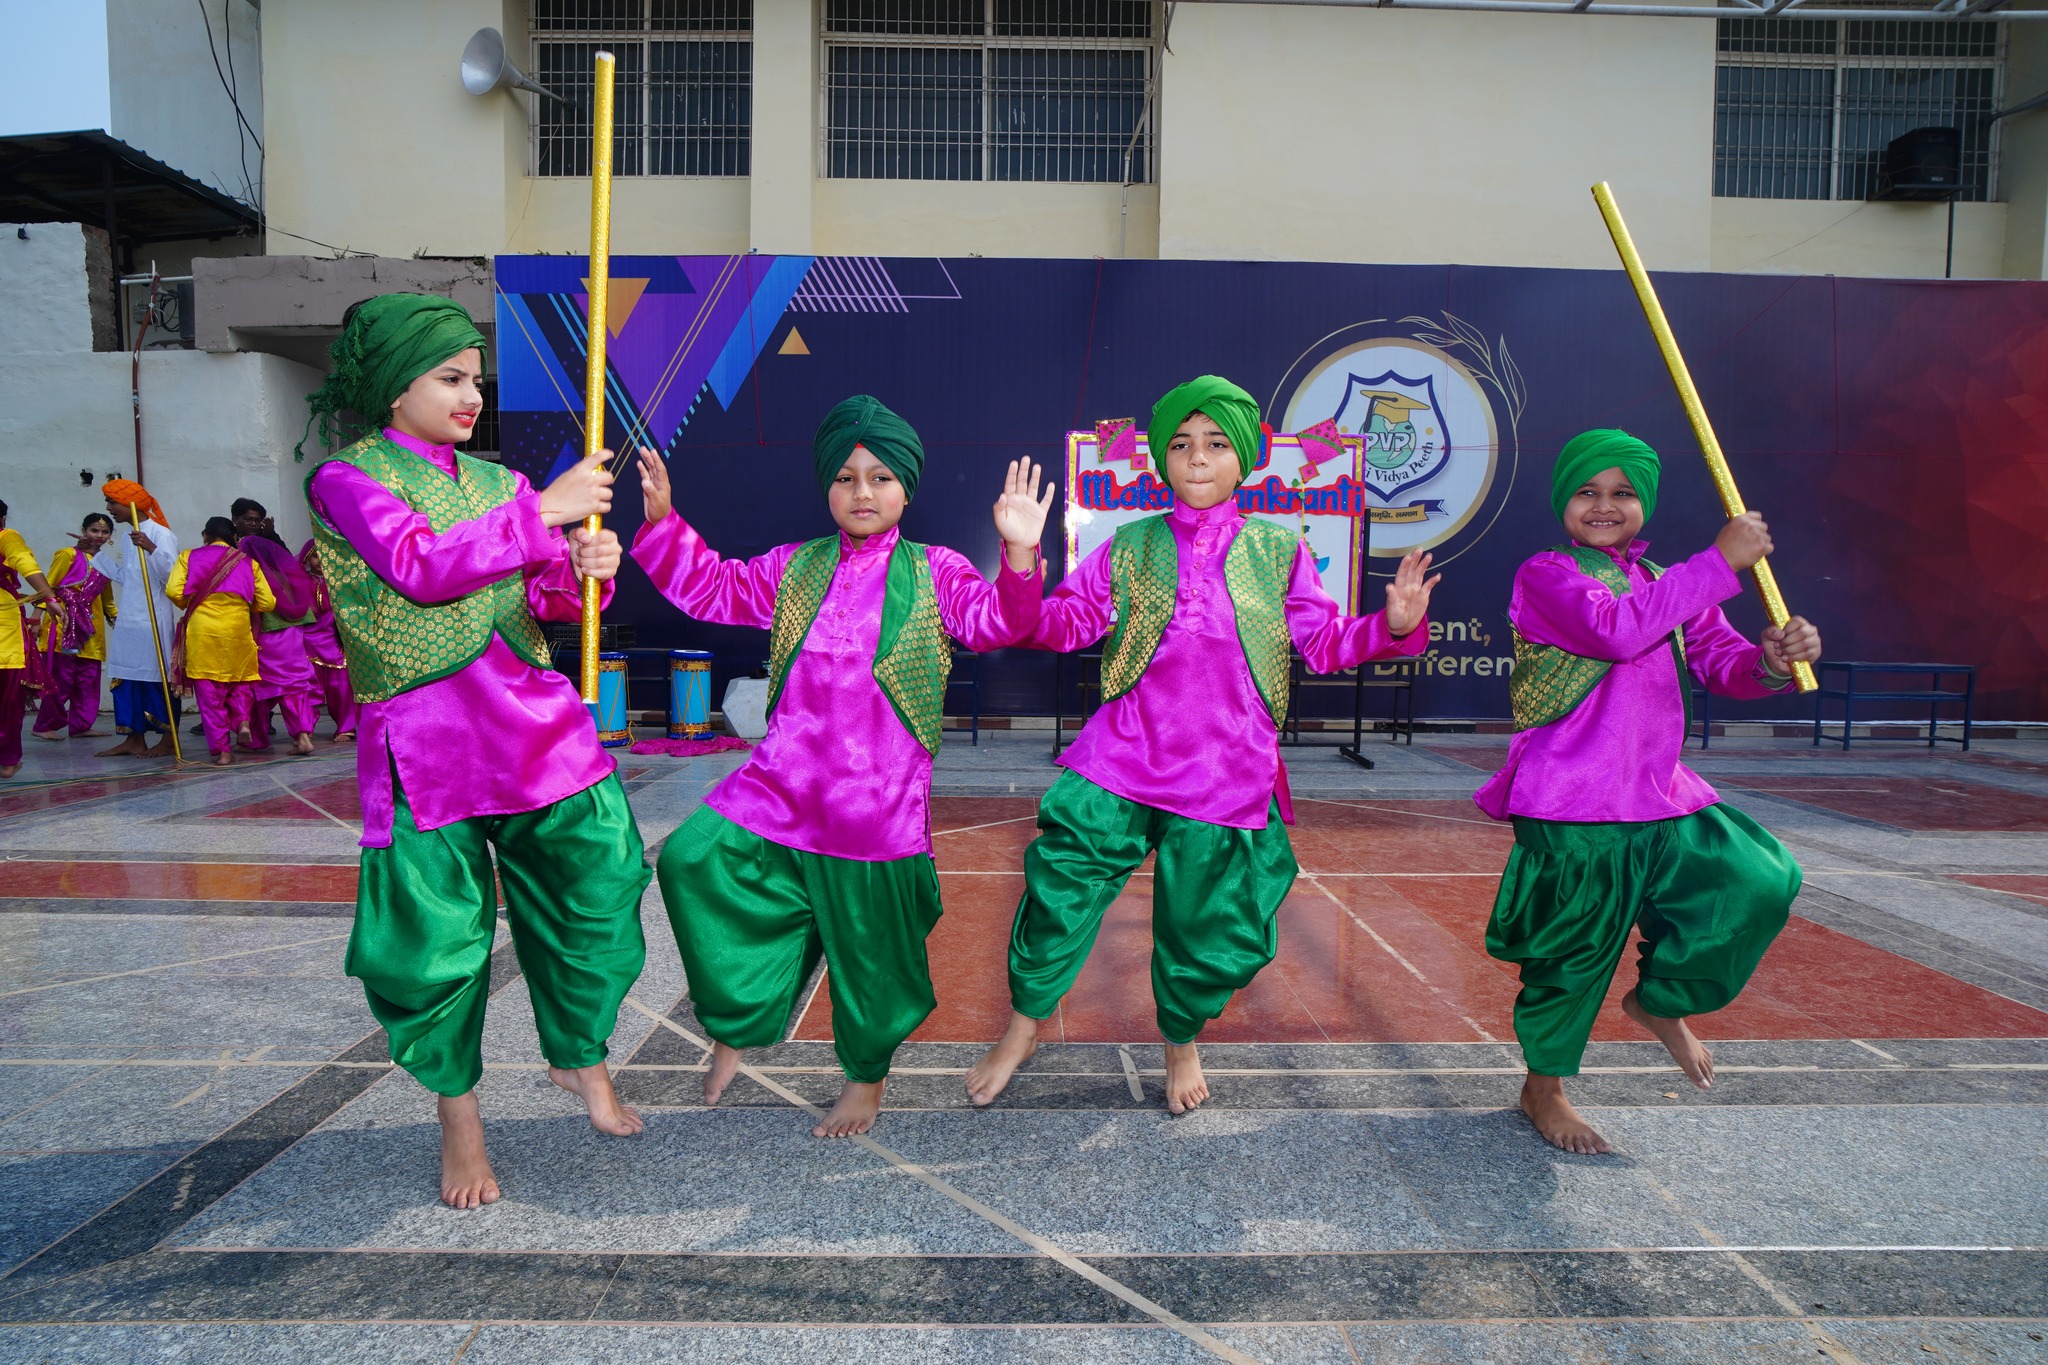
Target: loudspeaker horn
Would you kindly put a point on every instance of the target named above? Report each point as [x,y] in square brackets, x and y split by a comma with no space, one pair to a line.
[485,67]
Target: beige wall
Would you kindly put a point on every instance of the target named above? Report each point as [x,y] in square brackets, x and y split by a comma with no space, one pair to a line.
[1411,136]
[1285,132]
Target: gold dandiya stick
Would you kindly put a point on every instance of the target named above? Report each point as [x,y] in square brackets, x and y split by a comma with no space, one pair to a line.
[599,292]
[163,669]
[1695,410]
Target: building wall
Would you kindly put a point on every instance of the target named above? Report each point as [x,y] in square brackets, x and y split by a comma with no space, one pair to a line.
[1833,237]
[43,299]
[167,99]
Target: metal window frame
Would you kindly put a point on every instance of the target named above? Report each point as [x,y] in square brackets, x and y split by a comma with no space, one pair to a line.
[988,42]
[613,39]
[1839,62]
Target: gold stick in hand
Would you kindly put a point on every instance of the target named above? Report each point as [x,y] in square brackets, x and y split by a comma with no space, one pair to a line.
[163,669]
[599,288]
[1695,411]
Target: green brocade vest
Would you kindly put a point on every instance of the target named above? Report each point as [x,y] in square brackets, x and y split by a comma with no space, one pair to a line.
[1549,683]
[913,657]
[392,643]
[1144,570]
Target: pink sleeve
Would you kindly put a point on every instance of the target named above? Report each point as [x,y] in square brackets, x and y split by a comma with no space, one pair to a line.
[1557,603]
[1077,614]
[702,584]
[1330,643]
[979,614]
[1727,664]
[556,593]
[431,567]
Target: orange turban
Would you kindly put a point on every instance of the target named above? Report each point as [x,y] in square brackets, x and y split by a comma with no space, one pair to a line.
[127,492]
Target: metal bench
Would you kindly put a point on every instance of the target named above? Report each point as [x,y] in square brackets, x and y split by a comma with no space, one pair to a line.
[1936,695]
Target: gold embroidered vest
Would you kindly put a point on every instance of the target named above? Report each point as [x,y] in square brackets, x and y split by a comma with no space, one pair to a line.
[913,656]
[1549,683]
[1144,570]
[392,643]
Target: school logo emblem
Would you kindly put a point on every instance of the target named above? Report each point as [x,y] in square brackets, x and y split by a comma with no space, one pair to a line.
[1437,409]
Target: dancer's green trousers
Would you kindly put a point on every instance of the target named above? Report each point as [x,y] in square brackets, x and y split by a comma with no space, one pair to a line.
[1710,891]
[427,911]
[1216,894]
[753,916]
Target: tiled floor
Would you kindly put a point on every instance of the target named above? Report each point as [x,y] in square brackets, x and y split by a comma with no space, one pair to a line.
[204,1149]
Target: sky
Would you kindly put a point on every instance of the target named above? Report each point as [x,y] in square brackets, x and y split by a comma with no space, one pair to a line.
[57,78]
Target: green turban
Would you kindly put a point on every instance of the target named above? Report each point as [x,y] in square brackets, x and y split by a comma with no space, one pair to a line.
[863,421]
[1592,451]
[1230,407]
[386,343]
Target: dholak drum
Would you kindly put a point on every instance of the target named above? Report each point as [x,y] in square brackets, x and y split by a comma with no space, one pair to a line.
[689,693]
[613,728]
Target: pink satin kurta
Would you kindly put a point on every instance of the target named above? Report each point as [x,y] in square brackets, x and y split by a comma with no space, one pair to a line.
[1616,756]
[837,773]
[500,736]
[1194,737]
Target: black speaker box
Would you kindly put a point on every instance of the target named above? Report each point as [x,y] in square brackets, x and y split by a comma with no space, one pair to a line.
[1924,163]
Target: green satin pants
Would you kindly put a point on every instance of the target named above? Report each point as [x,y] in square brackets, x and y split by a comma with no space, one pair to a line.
[1216,894]
[752,918]
[426,913]
[1710,891]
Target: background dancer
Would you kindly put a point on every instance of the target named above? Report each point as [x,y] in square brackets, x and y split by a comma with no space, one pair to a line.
[74,638]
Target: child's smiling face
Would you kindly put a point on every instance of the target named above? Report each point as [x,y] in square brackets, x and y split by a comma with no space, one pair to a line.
[866,497]
[1605,512]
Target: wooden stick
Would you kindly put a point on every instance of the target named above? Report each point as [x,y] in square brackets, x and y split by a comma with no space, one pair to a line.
[599,287]
[163,669]
[1695,410]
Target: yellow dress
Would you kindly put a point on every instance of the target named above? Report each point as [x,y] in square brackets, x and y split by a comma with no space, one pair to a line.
[219,646]
[14,552]
[102,608]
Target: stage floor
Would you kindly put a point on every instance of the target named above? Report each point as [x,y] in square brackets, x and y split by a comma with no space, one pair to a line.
[204,1150]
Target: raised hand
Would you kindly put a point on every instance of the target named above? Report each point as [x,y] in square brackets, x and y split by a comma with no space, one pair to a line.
[1020,514]
[654,493]
[584,489]
[1744,540]
[1795,642]
[1408,594]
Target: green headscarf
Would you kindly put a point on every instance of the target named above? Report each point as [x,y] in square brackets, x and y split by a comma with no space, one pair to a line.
[386,343]
[1230,407]
[1592,451]
[863,421]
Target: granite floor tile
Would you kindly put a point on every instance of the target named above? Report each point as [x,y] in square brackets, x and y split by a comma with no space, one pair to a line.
[129,1106]
[244,1014]
[24,1086]
[47,1195]
[531,1345]
[1944,1343]
[1547,1343]
[240,1343]
[1868,1175]
[36,950]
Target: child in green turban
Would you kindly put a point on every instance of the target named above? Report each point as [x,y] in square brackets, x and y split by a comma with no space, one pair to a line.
[1182,759]
[1612,831]
[440,568]
[821,843]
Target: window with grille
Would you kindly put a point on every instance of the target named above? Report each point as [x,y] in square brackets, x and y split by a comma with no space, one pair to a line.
[989,89]
[1803,108]
[682,103]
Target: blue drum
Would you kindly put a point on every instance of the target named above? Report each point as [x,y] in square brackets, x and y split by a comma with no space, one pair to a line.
[689,693]
[613,726]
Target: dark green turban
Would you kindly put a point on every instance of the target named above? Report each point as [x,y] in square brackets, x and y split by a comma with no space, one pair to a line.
[863,421]
[1592,451]
[1231,408]
[386,343]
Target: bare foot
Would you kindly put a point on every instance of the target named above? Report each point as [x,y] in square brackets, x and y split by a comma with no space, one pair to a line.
[466,1179]
[130,745]
[8,770]
[1186,1087]
[988,1077]
[725,1064]
[1544,1102]
[593,1085]
[224,759]
[52,735]
[854,1111]
[345,737]
[1689,1052]
[163,748]
[302,745]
